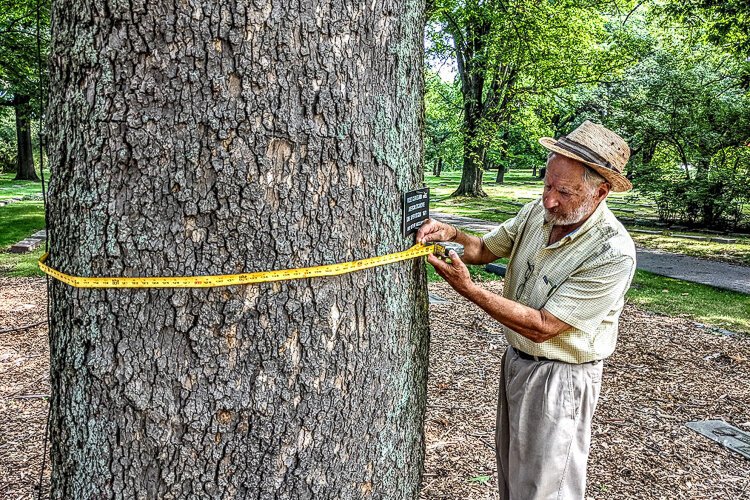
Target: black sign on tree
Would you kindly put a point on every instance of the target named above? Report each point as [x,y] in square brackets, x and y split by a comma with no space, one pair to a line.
[416,210]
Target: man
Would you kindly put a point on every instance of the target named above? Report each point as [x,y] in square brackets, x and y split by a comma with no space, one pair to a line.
[571,263]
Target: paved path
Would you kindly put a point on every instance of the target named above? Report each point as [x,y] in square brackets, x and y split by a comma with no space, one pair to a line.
[707,272]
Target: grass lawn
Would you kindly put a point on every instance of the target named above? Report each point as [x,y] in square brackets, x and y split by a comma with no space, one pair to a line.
[703,303]
[736,253]
[14,189]
[17,221]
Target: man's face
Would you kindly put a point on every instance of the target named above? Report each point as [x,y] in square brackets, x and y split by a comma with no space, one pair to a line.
[567,199]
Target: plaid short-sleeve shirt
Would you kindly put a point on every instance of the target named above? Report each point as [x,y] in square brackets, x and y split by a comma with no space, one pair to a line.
[581,279]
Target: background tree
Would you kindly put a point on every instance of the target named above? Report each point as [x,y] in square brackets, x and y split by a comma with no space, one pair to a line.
[19,71]
[725,22]
[443,144]
[506,52]
[686,114]
[213,137]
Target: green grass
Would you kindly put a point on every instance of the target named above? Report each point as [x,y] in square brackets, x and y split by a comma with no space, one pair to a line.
[477,273]
[736,253]
[14,189]
[25,264]
[702,303]
[19,220]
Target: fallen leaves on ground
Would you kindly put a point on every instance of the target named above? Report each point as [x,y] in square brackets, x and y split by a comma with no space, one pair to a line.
[665,372]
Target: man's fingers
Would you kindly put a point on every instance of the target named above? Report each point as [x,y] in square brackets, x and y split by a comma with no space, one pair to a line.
[453,256]
[427,231]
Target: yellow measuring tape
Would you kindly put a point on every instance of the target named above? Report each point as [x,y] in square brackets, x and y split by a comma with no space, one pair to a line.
[417,250]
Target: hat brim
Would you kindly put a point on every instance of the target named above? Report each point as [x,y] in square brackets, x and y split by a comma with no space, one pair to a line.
[617,181]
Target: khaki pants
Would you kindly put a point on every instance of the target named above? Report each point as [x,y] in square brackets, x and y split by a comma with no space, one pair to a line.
[543,432]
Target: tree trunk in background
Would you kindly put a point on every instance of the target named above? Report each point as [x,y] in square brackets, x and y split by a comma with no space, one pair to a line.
[500,175]
[471,176]
[438,167]
[471,173]
[25,157]
[205,138]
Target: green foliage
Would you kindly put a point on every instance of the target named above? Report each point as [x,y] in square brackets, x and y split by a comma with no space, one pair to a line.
[19,71]
[686,116]
[442,123]
[481,479]
[7,141]
[24,41]
[724,22]
[510,57]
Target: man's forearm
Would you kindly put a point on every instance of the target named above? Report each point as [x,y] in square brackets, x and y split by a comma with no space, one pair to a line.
[534,324]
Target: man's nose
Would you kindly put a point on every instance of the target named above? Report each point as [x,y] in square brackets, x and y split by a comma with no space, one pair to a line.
[549,201]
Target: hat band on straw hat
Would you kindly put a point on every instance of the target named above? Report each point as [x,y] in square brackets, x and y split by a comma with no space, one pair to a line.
[584,152]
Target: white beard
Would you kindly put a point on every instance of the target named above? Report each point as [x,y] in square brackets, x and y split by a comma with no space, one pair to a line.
[574,217]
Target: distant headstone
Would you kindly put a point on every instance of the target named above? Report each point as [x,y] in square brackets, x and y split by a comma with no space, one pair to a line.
[25,246]
[497,269]
[724,240]
[691,237]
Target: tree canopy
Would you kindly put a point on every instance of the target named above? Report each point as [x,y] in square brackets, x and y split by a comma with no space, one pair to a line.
[675,89]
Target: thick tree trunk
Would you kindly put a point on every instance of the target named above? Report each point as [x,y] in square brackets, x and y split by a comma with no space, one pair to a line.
[208,138]
[25,158]
[500,175]
[438,167]
[471,175]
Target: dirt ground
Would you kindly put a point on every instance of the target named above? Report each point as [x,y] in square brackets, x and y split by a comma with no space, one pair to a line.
[665,373]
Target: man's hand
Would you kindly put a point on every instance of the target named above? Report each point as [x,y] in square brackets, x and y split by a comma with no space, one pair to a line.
[456,273]
[433,230]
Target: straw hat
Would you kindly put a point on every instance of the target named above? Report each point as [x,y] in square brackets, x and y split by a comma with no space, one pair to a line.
[597,147]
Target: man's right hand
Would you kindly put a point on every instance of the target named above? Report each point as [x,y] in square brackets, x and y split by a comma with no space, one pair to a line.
[433,230]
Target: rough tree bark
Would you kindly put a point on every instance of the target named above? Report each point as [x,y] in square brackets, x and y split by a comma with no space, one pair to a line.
[193,138]
[25,156]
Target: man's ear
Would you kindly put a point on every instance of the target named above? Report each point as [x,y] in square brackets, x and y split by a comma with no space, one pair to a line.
[602,191]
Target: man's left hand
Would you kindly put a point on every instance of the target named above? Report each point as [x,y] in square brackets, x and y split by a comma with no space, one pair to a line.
[455,273]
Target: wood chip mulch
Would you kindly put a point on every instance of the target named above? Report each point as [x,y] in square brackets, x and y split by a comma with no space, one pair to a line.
[665,372]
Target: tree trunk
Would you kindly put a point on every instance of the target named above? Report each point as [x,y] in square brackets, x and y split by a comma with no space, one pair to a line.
[210,138]
[474,151]
[25,158]
[438,167]
[471,176]
[500,175]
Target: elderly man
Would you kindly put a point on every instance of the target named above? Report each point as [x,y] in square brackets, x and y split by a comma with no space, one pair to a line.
[571,262]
